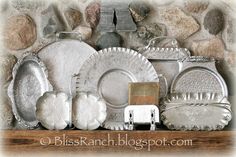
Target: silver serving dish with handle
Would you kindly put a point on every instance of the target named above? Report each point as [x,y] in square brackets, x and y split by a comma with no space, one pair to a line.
[198,98]
[28,84]
[165,60]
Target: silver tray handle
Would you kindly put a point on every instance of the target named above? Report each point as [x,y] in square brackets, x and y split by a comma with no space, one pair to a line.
[166,84]
[153,41]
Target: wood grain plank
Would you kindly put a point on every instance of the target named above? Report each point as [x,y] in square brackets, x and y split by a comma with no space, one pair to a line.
[116,141]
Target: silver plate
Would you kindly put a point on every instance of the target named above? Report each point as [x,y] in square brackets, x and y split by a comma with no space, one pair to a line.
[64,59]
[199,75]
[28,84]
[108,73]
[196,111]
[165,62]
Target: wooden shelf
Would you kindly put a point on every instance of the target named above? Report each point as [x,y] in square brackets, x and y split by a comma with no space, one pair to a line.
[34,141]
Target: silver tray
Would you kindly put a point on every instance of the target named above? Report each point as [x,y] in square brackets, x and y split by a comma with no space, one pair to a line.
[199,75]
[28,84]
[64,59]
[196,111]
[108,73]
[165,61]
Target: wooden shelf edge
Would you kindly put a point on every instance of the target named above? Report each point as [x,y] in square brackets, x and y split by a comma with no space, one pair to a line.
[113,141]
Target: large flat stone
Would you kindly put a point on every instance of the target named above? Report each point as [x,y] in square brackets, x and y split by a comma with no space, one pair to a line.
[178,23]
[211,48]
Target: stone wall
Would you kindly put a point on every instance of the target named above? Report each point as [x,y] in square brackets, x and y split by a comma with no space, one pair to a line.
[205,27]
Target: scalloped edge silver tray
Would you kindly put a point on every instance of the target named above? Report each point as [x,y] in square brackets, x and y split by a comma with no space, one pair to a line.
[187,88]
[121,64]
[179,113]
[166,54]
[30,58]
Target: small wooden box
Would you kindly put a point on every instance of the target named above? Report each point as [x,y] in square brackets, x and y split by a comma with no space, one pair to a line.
[144,93]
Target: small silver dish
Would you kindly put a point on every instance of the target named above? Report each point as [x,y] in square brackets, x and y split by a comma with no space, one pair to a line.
[28,84]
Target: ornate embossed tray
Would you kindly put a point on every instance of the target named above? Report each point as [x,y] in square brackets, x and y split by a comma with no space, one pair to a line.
[196,111]
[198,98]
[165,62]
[199,74]
[108,73]
[28,84]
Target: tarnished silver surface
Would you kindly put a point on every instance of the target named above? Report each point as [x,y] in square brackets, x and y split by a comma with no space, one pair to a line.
[165,61]
[63,59]
[141,114]
[198,97]
[28,84]
[196,111]
[199,75]
[108,73]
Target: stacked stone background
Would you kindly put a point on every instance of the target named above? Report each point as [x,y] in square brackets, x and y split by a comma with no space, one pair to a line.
[205,27]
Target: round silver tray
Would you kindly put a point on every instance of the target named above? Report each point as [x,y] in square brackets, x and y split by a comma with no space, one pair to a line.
[108,73]
[64,59]
[199,79]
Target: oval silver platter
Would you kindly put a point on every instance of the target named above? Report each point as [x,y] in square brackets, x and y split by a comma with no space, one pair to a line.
[108,73]
[196,111]
[63,59]
[165,61]
[28,84]
[199,75]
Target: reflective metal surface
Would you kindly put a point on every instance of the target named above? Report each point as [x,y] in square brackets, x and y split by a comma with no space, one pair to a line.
[198,98]
[199,74]
[196,111]
[63,59]
[28,84]
[108,73]
[165,61]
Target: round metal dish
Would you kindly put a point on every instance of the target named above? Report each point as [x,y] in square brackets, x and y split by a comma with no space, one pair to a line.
[64,59]
[108,73]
